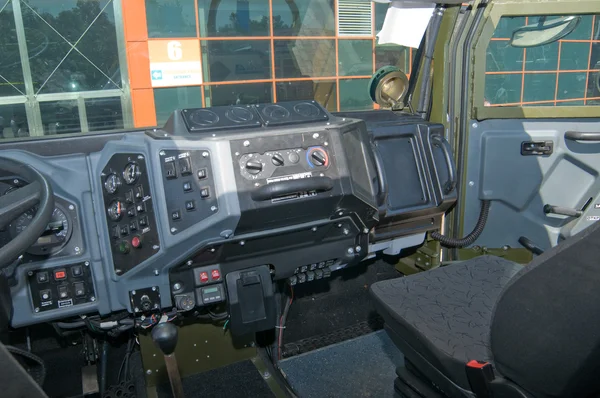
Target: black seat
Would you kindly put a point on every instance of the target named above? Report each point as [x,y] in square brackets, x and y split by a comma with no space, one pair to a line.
[538,325]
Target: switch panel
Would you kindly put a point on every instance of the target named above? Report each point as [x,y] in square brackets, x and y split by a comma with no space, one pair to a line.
[129,211]
[61,287]
[189,187]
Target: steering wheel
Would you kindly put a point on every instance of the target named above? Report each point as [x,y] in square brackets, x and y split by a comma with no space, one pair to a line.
[37,192]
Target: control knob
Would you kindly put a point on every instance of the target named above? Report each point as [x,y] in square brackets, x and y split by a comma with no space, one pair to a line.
[277,159]
[254,166]
[318,157]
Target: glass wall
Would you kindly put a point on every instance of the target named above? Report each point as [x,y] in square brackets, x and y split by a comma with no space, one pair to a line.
[275,50]
[60,70]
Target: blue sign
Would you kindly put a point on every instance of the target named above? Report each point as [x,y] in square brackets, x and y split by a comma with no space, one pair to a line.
[156,74]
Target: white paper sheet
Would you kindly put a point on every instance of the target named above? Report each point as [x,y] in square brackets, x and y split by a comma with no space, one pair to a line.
[405,23]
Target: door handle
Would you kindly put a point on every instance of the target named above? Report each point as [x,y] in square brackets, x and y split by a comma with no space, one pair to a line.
[581,136]
[563,211]
[441,142]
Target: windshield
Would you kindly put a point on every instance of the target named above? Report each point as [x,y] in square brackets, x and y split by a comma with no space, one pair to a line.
[80,66]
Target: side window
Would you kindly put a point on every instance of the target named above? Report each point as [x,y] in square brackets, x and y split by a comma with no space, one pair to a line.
[564,72]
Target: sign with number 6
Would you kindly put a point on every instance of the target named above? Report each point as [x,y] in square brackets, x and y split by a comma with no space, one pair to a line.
[175,63]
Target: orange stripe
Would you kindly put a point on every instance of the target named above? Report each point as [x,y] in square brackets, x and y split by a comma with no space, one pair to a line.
[542,102]
[273,84]
[134,20]
[337,57]
[557,71]
[538,72]
[197,19]
[587,77]
[524,63]
[144,110]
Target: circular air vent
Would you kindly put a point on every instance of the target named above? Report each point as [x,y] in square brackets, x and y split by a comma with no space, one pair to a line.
[239,114]
[276,112]
[204,117]
[306,109]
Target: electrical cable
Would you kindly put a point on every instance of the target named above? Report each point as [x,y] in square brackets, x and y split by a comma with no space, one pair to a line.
[472,237]
[283,320]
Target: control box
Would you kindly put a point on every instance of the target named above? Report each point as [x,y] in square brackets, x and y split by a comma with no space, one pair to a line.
[129,211]
[61,287]
[197,287]
[189,187]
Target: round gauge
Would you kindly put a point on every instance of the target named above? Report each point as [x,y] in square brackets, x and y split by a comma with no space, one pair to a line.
[112,183]
[115,210]
[131,173]
[56,235]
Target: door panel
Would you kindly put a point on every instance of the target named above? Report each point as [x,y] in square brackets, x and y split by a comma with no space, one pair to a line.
[533,94]
[519,186]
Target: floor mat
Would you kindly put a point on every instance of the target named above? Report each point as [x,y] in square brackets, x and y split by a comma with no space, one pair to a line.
[361,367]
[232,381]
[323,306]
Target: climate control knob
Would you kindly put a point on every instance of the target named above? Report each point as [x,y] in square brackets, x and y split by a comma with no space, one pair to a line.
[254,166]
[277,159]
[318,157]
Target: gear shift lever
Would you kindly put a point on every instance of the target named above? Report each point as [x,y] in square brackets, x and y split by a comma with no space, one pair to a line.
[165,337]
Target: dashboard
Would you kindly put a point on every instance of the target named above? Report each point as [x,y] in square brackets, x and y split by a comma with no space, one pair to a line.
[211,209]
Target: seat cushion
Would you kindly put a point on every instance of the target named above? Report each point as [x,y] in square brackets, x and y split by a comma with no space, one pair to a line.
[445,314]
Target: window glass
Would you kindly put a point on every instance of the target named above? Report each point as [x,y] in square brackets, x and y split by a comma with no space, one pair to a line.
[355,57]
[234,18]
[60,117]
[380,12]
[170,18]
[304,58]
[354,95]
[562,73]
[231,60]
[238,94]
[104,113]
[303,18]
[166,100]
[322,91]
[11,74]
[13,121]
[392,54]
[72,45]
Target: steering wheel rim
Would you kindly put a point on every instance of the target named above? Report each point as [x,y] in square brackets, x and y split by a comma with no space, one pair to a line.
[37,192]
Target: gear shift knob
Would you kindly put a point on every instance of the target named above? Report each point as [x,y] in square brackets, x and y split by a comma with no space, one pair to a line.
[165,337]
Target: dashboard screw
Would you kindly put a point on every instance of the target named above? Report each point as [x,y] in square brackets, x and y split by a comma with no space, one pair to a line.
[92,298]
[346,232]
[153,288]
[204,154]
[357,249]
[350,250]
[242,243]
[237,154]
[326,143]
[30,273]
[316,135]
[266,375]
[212,249]
[339,225]
[344,119]
[133,292]
[189,262]
[77,250]
[148,372]
[173,230]
[156,306]
[471,183]
[366,231]
[314,229]
[71,207]
[475,125]
[177,286]
[246,143]
[341,213]
[37,309]
[136,309]
[156,272]
[162,153]
[87,263]
[328,123]
[213,208]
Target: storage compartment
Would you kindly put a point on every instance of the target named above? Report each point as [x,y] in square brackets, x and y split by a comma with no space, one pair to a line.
[251,300]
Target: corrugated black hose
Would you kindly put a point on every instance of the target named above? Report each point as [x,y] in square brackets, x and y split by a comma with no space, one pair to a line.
[472,237]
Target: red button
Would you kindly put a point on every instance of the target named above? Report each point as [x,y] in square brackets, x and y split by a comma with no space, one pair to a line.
[215,274]
[203,277]
[136,242]
[60,275]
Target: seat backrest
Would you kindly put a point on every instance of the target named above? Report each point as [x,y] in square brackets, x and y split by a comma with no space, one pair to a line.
[545,333]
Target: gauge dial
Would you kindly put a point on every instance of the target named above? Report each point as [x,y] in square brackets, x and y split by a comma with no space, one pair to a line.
[112,183]
[131,173]
[115,210]
[55,236]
